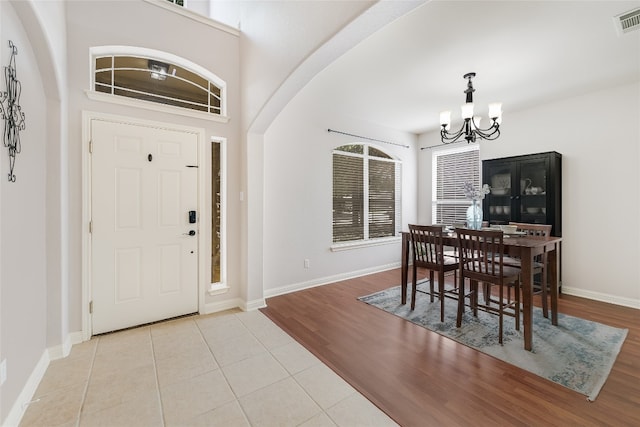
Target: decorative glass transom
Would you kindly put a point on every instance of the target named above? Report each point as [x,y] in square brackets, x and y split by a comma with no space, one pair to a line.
[156,81]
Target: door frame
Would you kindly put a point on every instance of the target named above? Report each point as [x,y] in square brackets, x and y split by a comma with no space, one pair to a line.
[204,247]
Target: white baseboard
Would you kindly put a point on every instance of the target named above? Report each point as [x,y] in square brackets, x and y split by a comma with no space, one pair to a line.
[26,395]
[261,302]
[215,307]
[329,279]
[599,296]
[254,305]
[63,350]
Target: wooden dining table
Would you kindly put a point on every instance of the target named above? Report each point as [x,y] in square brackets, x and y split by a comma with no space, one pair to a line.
[524,247]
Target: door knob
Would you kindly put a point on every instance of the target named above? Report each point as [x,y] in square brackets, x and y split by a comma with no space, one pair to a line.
[190,233]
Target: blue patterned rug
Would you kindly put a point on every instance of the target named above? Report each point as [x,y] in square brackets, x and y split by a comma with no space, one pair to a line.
[577,354]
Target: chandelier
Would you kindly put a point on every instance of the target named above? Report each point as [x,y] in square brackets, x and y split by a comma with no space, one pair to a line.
[470,129]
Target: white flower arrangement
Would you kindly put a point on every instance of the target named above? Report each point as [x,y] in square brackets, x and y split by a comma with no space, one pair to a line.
[473,193]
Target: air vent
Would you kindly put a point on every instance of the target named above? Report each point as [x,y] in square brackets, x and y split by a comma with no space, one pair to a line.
[628,21]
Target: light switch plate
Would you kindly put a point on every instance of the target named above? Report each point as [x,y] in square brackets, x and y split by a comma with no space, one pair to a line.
[3,371]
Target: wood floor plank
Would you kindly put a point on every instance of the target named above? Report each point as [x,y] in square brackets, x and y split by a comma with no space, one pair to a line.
[420,378]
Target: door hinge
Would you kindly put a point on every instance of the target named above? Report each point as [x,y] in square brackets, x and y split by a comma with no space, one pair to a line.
[90,227]
[90,146]
[90,307]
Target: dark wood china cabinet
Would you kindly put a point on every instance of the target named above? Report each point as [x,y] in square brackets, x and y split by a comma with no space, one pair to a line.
[524,189]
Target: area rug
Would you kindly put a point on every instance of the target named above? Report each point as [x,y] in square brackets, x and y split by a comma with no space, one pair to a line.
[577,354]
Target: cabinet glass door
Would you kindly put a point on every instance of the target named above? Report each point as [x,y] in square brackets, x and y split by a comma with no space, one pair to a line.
[500,178]
[533,191]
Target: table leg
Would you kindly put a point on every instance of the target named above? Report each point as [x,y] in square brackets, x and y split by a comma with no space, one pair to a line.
[526,275]
[404,267]
[552,259]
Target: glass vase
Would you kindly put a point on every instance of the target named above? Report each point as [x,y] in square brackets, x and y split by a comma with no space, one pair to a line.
[474,215]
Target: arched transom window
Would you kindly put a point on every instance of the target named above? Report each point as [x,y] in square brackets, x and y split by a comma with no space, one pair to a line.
[157,77]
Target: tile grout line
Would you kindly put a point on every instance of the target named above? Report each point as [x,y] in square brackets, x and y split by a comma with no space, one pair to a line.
[292,376]
[86,387]
[269,343]
[226,380]
[268,351]
[155,372]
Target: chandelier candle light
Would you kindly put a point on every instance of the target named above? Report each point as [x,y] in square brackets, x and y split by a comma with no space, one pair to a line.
[470,129]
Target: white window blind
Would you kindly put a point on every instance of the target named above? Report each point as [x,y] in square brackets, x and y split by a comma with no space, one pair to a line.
[348,198]
[450,169]
[366,194]
[382,199]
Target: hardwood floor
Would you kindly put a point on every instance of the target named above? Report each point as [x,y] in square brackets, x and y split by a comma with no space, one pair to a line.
[420,378]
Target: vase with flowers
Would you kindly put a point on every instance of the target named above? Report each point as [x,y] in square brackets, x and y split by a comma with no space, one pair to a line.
[474,212]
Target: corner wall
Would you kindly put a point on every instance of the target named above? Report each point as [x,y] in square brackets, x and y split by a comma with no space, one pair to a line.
[24,283]
[298,201]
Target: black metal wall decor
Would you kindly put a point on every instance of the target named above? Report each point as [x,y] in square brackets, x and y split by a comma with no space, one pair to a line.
[11,111]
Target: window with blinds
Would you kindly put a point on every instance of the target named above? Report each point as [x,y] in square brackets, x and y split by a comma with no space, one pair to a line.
[366,194]
[450,169]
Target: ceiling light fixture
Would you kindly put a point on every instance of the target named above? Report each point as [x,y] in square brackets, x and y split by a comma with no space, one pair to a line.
[158,69]
[470,129]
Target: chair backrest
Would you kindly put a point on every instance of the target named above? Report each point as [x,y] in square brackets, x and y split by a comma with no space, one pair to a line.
[534,230]
[427,245]
[480,254]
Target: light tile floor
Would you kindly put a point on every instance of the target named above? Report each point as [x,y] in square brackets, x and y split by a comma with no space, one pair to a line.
[231,369]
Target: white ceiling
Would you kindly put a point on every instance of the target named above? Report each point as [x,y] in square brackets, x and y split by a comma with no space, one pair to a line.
[524,54]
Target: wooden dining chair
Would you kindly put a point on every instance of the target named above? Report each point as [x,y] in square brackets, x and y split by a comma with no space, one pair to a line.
[481,261]
[540,263]
[428,252]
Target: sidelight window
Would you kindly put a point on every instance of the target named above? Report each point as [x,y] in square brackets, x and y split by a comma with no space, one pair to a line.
[216,217]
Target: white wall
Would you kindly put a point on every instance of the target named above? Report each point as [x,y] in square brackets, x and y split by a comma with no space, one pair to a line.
[46,26]
[276,62]
[199,6]
[23,212]
[298,196]
[272,78]
[598,135]
[276,38]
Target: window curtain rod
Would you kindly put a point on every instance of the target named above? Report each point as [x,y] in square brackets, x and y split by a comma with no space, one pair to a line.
[367,138]
[441,145]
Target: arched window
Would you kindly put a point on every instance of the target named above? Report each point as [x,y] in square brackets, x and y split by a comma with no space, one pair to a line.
[157,77]
[366,194]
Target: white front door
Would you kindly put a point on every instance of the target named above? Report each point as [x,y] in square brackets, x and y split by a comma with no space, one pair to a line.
[144,261]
